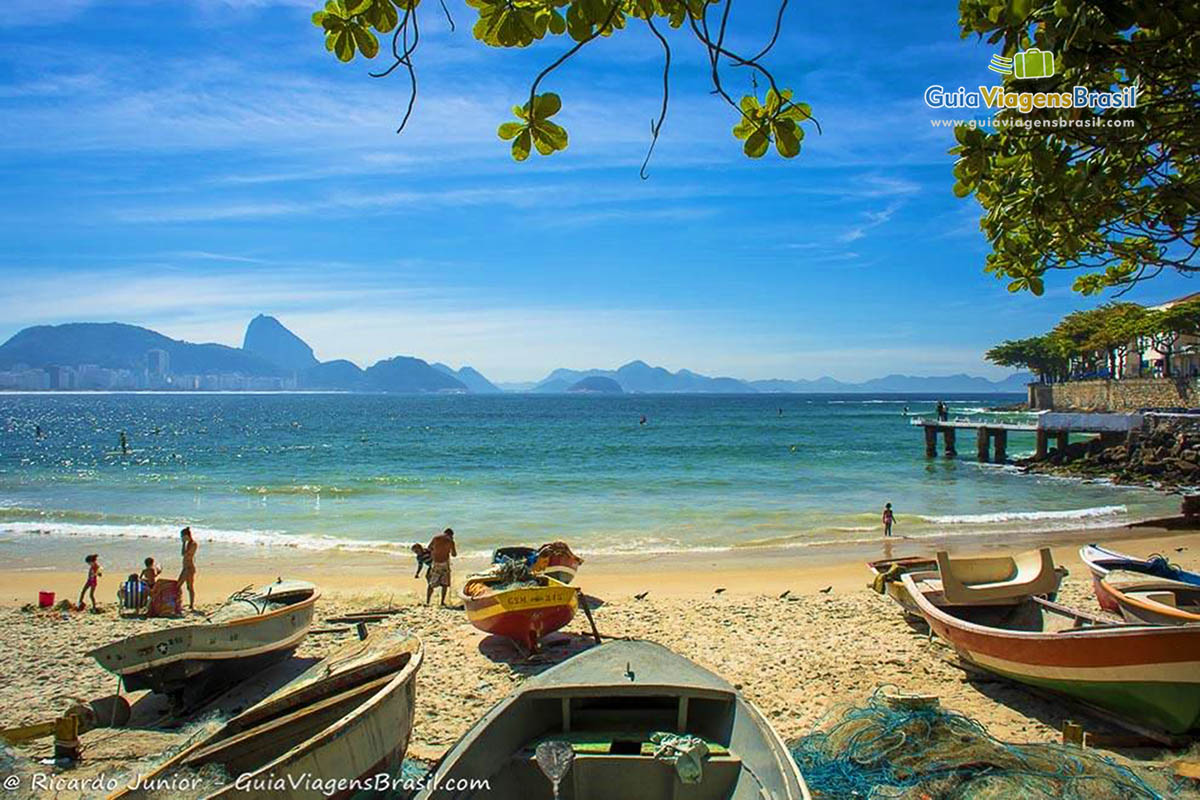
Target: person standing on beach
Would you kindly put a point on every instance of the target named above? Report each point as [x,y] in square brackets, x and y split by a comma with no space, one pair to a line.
[93,577]
[187,576]
[888,519]
[441,548]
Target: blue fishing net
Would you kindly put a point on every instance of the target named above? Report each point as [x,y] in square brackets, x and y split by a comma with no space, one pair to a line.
[889,748]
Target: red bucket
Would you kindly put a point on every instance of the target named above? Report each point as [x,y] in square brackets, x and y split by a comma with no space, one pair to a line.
[45,599]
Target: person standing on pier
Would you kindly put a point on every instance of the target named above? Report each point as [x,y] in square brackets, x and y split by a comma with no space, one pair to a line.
[888,519]
[943,413]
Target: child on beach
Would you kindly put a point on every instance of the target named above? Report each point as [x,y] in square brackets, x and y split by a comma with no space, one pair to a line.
[150,573]
[89,587]
[424,558]
[888,519]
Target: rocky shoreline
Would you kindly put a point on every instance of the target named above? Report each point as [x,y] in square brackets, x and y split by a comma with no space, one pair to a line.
[1163,454]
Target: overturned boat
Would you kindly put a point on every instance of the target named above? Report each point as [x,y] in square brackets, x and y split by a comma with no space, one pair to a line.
[252,629]
[345,722]
[624,719]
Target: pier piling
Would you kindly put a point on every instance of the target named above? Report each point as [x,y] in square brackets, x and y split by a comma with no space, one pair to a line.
[982,445]
[948,438]
[930,441]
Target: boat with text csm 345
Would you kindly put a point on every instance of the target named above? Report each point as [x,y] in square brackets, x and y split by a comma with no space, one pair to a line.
[253,628]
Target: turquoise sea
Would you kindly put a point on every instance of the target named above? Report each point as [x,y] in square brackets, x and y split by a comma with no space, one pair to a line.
[378,472]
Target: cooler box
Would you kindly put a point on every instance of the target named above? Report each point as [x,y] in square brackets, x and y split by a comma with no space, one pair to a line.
[45,599]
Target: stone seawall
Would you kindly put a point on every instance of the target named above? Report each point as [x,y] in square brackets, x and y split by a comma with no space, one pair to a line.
[1130,394]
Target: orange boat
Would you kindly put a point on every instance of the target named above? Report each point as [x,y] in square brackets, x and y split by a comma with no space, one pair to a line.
[523,612]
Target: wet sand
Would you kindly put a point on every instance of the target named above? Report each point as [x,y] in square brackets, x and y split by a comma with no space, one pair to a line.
[796,657]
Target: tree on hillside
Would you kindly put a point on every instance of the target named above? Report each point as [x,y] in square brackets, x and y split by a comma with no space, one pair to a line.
[353,27]
[1042,355]
[1115,204]
[1167,326]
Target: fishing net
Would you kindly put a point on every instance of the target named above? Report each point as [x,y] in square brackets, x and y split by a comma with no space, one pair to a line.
[507,573]
[893,748]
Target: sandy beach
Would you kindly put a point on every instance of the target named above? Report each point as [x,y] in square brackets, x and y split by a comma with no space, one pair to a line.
[829,641]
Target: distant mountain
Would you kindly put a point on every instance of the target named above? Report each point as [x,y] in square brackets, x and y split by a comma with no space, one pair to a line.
[267,338]
[596,384]
[638,376]
[471,378]
[408,375]
[118,346]
[901,384]
[339,374]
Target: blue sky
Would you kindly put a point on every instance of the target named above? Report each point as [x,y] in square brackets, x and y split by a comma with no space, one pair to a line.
[185,166]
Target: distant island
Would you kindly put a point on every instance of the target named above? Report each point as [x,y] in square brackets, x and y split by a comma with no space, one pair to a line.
[118,357]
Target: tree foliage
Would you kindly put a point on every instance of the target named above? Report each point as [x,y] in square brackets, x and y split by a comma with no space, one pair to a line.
[353,27]
[1116,204]
[1084,342]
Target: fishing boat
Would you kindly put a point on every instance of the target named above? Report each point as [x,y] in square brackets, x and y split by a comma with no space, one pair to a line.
[1100,561]
[886,574]
[554,560]
[348,718]
[523,609]
[972,580]
[1147,674]
[252,629]
[1154,601]
[623,719]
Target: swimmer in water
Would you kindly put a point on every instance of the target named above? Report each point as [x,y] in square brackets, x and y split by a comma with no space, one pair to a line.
[124,444]
[643,420]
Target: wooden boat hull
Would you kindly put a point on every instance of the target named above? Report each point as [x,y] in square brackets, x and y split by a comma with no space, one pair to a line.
[194,657]
[357,754]
[603,704]
[1100,561]
[524,615]
[1150,675]
[1135,606]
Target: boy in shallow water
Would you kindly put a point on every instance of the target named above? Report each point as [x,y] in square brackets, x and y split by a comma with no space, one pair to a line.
[93,577]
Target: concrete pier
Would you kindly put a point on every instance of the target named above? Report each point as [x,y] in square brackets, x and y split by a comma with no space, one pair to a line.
[991,438]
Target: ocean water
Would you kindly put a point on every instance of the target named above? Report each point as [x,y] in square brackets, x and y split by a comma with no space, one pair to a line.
[379,472]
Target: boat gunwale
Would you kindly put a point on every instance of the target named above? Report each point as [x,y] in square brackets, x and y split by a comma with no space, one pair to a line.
[1144,604]
[1121,630]
[332,731]
[148,637]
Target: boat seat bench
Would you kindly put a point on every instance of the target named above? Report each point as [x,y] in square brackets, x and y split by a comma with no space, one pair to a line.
[601,743]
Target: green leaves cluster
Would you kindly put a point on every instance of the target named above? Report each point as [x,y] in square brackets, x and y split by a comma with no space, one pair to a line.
[776,120]
[1114,203]
[348,24]
[534,128]
[352,27]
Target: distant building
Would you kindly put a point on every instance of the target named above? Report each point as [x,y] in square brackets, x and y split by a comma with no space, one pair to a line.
[1185,356]
[158,363]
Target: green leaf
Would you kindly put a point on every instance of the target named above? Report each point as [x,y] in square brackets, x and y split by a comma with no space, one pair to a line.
[521,146]
[786,140]
[365,40]
[509,130]
[546,105]
[343,45]
[757,144]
